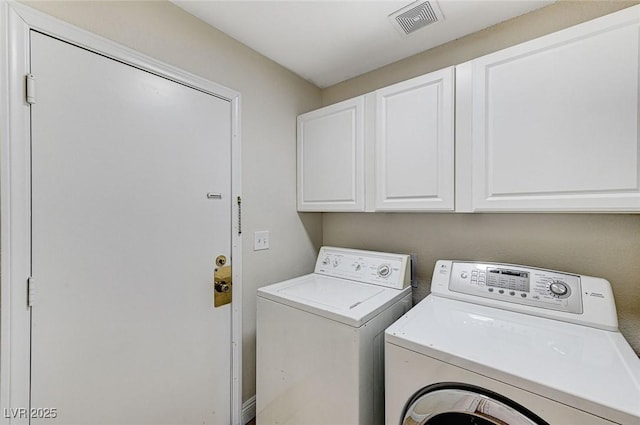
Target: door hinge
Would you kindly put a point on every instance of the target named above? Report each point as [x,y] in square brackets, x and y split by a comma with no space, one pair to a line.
[31,291]
[30,89]
[239,215]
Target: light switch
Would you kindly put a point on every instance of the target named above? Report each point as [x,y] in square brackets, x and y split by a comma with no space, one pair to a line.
[261,240]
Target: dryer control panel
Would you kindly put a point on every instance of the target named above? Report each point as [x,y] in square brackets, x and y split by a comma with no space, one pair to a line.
[543,288]
[377,268]
[547,293]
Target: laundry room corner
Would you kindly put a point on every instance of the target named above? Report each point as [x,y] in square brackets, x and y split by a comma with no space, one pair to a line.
[240,212]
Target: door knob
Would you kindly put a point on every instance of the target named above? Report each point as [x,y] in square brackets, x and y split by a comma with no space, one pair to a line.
[222,287]
[222,283]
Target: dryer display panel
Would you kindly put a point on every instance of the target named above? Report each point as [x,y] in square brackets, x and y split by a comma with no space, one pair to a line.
[506,278]
[521,285]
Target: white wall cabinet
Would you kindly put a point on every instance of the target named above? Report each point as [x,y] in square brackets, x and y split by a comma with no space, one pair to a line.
[414,144]
[552,124]
[330,158]
[390,150]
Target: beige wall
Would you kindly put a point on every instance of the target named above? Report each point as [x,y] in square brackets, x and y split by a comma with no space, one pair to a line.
[593,244]
[271,99]
[602,245]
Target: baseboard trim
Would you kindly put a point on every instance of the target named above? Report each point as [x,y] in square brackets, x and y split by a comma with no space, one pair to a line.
[248,410]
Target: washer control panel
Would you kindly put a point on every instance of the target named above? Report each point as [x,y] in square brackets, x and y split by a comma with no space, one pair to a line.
[518,284]
[378,268]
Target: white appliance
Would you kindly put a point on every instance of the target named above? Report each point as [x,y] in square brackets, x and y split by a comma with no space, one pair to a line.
[320,339]
[507,344]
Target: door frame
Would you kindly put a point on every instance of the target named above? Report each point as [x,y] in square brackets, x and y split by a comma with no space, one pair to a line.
[16,22]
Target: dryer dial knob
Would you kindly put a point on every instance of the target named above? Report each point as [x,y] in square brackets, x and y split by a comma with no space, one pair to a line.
[558,288]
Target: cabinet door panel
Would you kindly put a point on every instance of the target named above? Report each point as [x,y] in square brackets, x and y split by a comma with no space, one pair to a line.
[555,121]
[331,158]
[414,144]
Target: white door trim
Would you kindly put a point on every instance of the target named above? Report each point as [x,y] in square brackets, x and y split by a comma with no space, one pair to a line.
[16,20]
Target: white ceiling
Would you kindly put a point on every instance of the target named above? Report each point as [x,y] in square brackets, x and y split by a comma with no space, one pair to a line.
[326,42]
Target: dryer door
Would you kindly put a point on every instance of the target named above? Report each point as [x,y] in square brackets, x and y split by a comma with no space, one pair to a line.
[462,404]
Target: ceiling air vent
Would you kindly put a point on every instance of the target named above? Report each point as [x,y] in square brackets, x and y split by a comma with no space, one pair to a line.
[417,15]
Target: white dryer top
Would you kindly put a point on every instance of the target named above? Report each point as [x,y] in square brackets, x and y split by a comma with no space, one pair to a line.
[352,303]
[590,369]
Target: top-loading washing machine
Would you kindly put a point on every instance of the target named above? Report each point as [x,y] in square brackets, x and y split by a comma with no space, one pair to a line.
[511,345]
[320,339]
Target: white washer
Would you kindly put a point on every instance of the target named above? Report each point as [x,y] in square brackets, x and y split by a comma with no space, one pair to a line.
[507,344]
[320,339]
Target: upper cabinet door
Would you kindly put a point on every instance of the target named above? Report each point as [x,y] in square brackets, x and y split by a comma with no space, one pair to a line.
[331,158]
[414,144]
[552,124]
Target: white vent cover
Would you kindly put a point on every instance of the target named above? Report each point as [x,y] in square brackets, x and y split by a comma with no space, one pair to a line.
[416,15]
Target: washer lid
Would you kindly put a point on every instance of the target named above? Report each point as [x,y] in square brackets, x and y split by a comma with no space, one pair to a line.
[590,369]
[346,301]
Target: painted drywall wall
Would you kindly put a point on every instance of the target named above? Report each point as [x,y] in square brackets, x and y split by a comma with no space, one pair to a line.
[271,99]
[600,245]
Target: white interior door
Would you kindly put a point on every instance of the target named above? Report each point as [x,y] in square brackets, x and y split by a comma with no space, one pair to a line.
[124,240]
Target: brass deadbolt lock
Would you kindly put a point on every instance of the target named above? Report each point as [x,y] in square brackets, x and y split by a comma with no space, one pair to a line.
[222,283]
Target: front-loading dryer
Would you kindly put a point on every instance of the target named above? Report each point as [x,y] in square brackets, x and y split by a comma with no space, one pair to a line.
[320,339]
[511,345]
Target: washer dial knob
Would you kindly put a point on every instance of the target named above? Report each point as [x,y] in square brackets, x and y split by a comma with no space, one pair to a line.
[384,270]
[558,288]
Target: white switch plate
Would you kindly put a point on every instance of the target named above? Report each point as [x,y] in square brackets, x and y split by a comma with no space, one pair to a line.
[261,240]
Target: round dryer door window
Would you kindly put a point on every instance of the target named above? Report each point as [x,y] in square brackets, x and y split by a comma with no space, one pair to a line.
[462,404]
